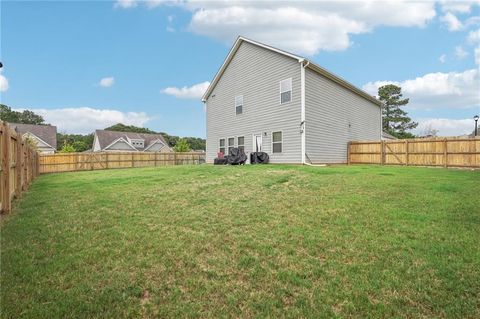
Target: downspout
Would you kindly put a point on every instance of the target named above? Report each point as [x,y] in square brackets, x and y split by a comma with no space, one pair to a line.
[303,65]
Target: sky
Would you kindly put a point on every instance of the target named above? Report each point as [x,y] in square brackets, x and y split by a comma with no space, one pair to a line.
[86,65]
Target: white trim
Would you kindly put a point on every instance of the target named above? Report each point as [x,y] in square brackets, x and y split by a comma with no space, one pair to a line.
[224,145]
[291,91]
[238,145]
[235,102]
[155,142]
[254,141]
[302,110]
[228,144]
[38,138]
[281,142]
[119,140]
[230,55]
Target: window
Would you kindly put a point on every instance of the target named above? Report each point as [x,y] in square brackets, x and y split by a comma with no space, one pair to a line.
[285,91]
[137,143]
[221,149]
[277,142]
[231,144]
[241,143]
[239,104]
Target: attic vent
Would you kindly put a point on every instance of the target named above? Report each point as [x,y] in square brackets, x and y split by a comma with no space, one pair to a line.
[138,143]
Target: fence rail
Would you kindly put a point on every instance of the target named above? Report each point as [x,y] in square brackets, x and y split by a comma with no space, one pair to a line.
[18,166]
[443,152]
[69,162]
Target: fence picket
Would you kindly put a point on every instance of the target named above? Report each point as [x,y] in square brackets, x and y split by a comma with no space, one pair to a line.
[446,152]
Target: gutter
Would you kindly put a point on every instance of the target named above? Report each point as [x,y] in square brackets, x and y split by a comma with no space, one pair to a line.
[303,66]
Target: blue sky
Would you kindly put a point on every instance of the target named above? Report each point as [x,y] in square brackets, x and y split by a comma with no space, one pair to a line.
[86,65]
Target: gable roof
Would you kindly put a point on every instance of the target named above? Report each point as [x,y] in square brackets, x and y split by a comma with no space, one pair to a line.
[308,64]
[47,133]
[107,138]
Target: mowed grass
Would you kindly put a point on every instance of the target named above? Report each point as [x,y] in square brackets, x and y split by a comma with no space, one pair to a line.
[252,241]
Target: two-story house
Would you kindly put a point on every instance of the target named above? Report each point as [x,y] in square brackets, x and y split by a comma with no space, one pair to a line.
[266,99]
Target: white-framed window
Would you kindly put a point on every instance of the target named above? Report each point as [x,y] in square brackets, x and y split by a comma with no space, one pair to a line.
[231,144]
[241,143]
[239,104]
[286,91]
[221,148]
[277,142]
[137,142]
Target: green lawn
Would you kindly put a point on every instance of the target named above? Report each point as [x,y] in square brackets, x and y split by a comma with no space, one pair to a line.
[252,241]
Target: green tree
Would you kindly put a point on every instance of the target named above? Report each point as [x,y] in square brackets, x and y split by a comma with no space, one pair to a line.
[395,120]
[119,127]
[67,148]
[182,146]
[24,117]
[79,142]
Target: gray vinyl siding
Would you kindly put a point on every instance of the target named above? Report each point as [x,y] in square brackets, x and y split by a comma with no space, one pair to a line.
[157,147]
[120,146]
[255,73]
[335,115]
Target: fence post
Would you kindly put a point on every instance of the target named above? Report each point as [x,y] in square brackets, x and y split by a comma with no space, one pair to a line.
[445,155]
[18,166]
[348,153]
[6,202]
[406,152]
[175,158]
[382,152]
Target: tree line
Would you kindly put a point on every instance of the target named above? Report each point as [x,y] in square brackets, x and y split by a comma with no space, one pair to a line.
[80,143]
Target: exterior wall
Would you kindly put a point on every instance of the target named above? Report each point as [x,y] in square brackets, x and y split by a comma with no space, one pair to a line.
[42,147]
[96,144]
[255,73]
[158,147]
[334,116]
[120,146]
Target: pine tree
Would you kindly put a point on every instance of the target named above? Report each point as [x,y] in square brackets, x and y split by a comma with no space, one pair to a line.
[395,120]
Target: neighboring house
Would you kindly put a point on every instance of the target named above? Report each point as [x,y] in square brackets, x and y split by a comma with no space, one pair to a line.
[386,136]
[44,136]
[266,99]
[111,141]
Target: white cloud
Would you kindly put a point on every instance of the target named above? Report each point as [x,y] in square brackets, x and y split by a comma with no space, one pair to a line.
[438,90]
[170,29]
[125,4]
[473,36]
[445,127]
[3,83]
[477,55]
[452,22]
[457,6]
[195,91]
[107,82]
[460,53]
[85,119]
[302,27]
[443,58]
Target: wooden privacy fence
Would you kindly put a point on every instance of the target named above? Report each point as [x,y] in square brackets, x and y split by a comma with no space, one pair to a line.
[69,162]
[444,152]
[18,167]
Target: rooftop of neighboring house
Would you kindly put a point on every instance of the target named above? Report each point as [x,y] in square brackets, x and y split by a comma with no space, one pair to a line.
[46,133]
[105,138]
